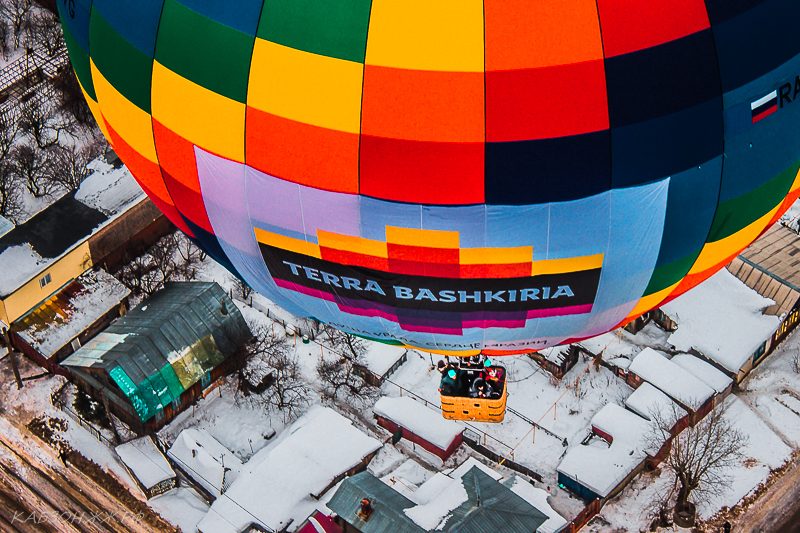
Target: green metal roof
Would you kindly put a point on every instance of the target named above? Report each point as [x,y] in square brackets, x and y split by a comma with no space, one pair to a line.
[387,515]
[490,507]
[166,344]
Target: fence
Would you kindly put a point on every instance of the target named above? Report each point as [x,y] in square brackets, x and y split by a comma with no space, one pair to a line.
[478,440]
[583,517]
[57,402]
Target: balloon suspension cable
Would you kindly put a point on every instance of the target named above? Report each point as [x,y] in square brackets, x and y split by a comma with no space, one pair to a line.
[538,422]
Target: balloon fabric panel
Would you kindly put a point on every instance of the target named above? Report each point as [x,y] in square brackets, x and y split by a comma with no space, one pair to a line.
[459,175]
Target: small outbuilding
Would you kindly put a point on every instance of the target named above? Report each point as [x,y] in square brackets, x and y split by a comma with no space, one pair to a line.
[419,424]
[682,386]
[149,467]
[612,455]
[203,459]
[707,373]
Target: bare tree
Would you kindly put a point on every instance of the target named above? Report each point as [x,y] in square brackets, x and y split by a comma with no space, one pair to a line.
[42,121]
[32,167]
[15,13]
[4,38]
[241,289]
[72,99]
[9,131]
[11,205]
[699,459]
[350,346]
[268,373]
[69,165]
[42,28]
[166,260]
[341,380]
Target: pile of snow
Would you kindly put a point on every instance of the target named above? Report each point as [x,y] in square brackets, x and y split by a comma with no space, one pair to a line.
[276,485]
[649,402]
[677,383]
[419,420]
[601,468]
[101,292]
[145,461]
[109,190]
[433,514]
[206,460]
[18,264]
[704,371]
[722,319]
[467,465]
[181,507]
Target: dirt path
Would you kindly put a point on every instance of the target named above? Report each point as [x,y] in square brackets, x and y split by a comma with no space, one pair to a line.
[778,509]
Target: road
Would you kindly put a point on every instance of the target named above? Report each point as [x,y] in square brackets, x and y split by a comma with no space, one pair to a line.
[777,510]
[42,497]
[55,498]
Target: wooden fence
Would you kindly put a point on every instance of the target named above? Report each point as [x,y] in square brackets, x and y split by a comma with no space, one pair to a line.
[583,517]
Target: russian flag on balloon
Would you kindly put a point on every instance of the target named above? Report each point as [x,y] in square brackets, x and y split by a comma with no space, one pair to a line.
[764,107]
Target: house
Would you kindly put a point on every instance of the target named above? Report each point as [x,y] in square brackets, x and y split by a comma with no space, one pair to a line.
[614,453]
[206,461]
[171,349]
[722,321]
[470,502]
[688,391]
[769,267]
[379,362]
[108,215]
[419,424]
[149,467]
[282,482]
[67,320]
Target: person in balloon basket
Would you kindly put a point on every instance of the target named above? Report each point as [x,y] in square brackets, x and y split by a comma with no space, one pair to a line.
[494,377]
[449,385]
[480,389]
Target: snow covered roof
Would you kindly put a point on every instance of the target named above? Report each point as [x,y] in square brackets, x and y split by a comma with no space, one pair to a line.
[610,344]
[722,319]
[474,502]
[620,362]
[68,313]
[706,372]
[471,462]
[108,189]
[5,226]
[276,484]
[538,498]
[554,354]
[381,357]
[420,420]
[205,459]
[30,247]
[146,462]
[600,467]
[677,383]
[647,401]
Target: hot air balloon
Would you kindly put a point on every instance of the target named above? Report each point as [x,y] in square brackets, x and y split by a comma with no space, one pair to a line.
[460,176]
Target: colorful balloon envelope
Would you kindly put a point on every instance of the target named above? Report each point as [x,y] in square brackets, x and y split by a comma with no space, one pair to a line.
[454,175]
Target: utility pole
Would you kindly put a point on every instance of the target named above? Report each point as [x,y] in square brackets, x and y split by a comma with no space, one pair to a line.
[12,357]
